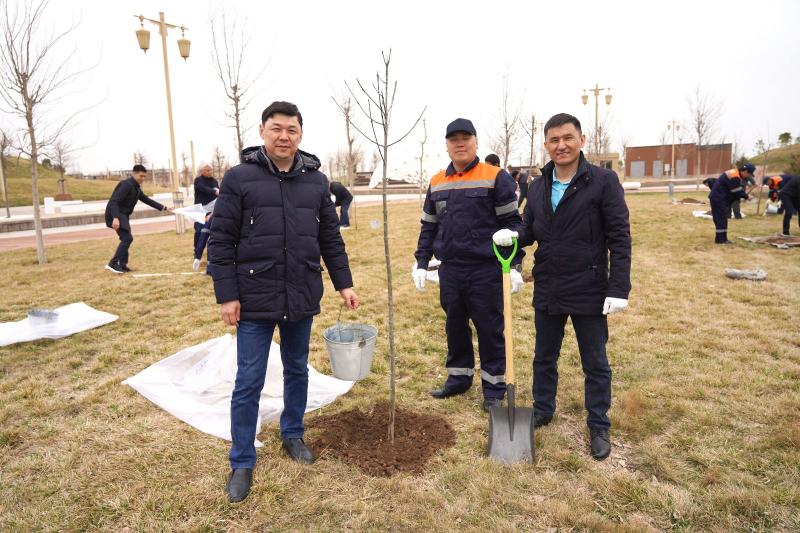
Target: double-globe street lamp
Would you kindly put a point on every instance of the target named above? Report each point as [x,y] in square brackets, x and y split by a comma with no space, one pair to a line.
[143,36]
[585,98]
[674,126]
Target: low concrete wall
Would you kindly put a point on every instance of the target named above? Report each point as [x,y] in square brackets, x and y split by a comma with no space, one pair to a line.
[70,220]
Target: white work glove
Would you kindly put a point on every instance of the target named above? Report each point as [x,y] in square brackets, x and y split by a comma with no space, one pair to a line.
[516,281]
[614,305]
[504,237]
[419,275]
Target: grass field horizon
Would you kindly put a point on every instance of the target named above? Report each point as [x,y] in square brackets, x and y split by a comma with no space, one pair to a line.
[705,411]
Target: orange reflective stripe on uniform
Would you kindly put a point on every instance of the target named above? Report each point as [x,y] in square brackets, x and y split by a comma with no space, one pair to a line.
[733,174]
[479,176]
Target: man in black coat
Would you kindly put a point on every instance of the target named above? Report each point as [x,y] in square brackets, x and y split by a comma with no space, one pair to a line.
[118,211]
[206,190]
[272,221]
[343,200]
[790,200]
[577,214]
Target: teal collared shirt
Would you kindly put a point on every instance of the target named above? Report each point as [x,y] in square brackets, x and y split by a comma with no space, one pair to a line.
[558,191]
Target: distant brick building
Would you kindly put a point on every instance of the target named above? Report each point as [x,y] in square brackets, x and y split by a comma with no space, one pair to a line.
[654,161]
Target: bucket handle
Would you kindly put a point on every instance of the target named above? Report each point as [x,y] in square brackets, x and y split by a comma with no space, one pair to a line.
[362,342]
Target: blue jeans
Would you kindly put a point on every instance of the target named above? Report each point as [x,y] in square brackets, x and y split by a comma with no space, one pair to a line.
[592,333]
[252,345]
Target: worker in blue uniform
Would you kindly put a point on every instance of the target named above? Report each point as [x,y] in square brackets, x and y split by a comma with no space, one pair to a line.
[728,187]
[464,205]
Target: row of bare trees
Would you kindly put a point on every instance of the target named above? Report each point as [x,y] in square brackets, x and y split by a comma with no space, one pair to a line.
[37,70]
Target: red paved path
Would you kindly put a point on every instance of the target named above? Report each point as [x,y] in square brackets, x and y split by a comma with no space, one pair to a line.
[16,243]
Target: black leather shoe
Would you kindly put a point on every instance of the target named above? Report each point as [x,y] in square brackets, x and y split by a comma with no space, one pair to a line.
[239,484]
[446,392]
[298,451]
[488,403]
[599,443]
[541,420]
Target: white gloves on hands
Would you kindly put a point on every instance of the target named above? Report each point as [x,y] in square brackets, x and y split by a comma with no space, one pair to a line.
[504,237]
[614,305]
[516,281]
[419,275]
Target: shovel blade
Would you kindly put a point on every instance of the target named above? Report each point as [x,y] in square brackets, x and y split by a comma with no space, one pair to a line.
[505,447]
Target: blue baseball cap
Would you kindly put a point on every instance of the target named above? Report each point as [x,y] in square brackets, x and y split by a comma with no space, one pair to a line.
[749,167]
[459,125]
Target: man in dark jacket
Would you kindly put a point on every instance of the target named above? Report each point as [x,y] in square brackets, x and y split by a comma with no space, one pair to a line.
[206,190]
[790,201]
[522,180]
[118,210]
[272,221]
[728,187]
[465,204]
[343,200]
[577,214]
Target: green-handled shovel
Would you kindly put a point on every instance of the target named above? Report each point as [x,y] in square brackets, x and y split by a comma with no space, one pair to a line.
[510,428]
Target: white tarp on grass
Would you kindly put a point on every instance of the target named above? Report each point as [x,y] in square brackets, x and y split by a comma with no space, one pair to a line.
[71,319]
[195,385]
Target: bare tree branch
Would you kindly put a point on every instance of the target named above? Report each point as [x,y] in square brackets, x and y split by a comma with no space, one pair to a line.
[228,55]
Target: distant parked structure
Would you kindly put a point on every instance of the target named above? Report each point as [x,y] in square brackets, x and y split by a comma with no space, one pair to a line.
[654,161]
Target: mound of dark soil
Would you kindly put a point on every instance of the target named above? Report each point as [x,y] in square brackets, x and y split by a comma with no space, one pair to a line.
[361,439]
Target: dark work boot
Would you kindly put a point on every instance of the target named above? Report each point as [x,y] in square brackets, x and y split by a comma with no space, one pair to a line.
[488,403]
[599,443]
[447,391]
[239,484]
[541,420]
[298,451]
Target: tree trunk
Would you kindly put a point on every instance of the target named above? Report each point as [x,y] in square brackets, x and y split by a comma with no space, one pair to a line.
[61,188]
[392,380]
[37,217]
[3,184]
[237,119]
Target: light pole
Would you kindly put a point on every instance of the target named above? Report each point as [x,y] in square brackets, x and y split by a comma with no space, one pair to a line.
[674,126]
[143,36]
[585,98]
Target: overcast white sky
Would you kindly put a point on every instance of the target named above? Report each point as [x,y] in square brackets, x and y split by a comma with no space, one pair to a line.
[450,56]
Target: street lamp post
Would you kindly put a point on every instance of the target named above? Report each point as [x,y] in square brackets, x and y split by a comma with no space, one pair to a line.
[143,37]
[585,98]
[674,126]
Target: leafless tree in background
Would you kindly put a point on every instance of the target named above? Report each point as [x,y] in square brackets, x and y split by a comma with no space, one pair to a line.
[704,113]
[421,177]
[219,163]
[5,144]
[531,131]
[229,44]
[623,142]
[353,155]
[502,142]
[32,77]
[376,106]
[61,153]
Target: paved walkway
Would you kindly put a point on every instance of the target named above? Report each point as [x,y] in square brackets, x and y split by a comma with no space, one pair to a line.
[27,239]
[90,232]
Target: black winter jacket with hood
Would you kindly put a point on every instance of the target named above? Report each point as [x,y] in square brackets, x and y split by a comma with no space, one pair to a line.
[268,233]
[571,268]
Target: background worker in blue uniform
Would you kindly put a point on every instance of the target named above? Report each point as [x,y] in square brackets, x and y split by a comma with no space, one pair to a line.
[728,187]
[465,204]
[582,266]
[775,184]
[790,200]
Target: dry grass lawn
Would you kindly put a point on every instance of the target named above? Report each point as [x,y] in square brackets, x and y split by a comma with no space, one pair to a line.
[706,400]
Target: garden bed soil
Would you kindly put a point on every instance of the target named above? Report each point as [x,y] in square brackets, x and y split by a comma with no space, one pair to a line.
[361,439]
